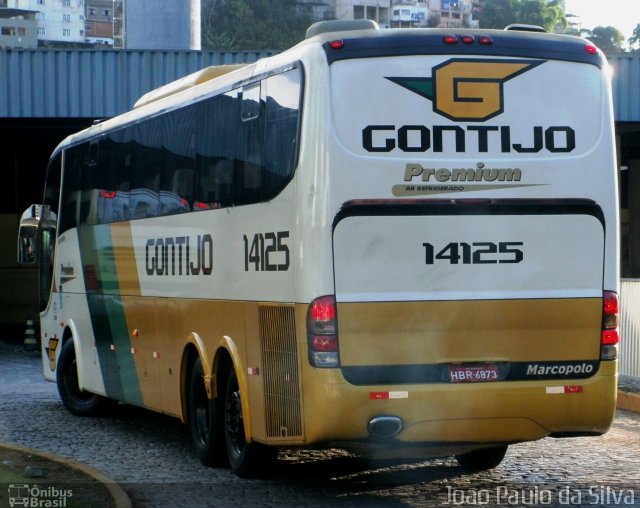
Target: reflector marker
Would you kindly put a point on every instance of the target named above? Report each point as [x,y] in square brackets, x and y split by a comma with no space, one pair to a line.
[552,390]
[133,351]
[113,347]
[156,354]
[388,395]
[253,371]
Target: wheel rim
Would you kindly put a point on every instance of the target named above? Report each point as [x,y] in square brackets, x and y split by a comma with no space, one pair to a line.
[234,424]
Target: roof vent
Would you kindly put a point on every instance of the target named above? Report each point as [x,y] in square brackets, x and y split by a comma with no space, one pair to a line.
[187,82]
[525,28]
[340,25]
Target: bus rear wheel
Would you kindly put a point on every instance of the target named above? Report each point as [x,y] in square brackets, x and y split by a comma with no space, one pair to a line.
[481,460]
[246,459]
[206,420]
[76,400]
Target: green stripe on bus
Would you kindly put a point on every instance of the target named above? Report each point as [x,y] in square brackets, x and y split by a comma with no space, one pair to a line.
[107,315]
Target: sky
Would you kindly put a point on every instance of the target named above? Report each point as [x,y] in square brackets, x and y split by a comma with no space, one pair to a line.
[621,14]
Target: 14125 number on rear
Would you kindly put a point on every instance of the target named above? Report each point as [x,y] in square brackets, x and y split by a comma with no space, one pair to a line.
[475,253]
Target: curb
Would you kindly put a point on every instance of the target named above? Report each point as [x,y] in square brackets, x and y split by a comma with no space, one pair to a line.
[120,497]
[628,401]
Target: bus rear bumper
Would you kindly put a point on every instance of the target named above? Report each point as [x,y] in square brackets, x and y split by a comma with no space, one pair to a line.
[454,416]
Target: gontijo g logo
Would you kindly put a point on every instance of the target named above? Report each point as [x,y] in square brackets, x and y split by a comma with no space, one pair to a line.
[467,90]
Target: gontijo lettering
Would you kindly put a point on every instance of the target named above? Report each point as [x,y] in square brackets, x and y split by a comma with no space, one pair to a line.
[420,138]
[176,256]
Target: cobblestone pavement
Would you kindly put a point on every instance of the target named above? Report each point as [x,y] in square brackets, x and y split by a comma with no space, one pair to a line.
[151,456]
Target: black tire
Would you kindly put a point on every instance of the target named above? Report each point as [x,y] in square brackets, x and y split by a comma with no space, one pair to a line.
[206,420]
[77,401]
[482,460]
[246,459]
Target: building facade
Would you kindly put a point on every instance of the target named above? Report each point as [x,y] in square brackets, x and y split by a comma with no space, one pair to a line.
[398,13]
[99,22]
[59,21]
[18,28]
[433,13]
[376,10]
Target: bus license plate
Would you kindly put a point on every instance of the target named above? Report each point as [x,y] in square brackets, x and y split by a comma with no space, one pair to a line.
[473,373]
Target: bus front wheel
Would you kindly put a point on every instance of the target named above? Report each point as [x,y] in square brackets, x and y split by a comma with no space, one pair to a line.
[205,420]
[76,400]
[481,460]
[246,459]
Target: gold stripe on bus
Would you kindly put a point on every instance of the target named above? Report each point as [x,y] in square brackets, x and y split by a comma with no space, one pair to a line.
[125,259]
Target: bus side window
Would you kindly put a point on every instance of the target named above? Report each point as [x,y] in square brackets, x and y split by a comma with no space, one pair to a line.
[74,160]
[282,118]
[248,184]
[178,157]
[144,199]
[215,186]
[249,148]
[218,121]
[176,195]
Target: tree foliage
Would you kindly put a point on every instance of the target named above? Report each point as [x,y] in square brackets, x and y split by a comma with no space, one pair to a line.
[634,40]
[609,39]
[252,24]
[500,13]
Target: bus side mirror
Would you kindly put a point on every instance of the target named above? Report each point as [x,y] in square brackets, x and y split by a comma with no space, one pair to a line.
[27,236]
[27,249]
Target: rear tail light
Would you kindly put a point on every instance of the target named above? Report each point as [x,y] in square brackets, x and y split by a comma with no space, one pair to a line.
[322,332]
[610,321]
[591,49]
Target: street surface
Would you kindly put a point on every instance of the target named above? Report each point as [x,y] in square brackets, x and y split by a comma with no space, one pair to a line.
[151,456]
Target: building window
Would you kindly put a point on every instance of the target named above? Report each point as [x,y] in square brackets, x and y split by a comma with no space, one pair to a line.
[66,18]
[81,33]
[66,3]
[92,11]
[40,2]
[358,12]
[66,32]
[41,16]
[42,31]
[105,13]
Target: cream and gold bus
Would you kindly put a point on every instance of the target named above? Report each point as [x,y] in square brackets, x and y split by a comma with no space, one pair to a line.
[398,242]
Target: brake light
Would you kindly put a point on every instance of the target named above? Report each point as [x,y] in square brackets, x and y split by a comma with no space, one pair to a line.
[322,332]
[591,49]
[610,320]
[337,44]
[450,39]
[468,39]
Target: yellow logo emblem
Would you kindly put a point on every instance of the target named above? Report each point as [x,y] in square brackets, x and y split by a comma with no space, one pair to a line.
[468,90]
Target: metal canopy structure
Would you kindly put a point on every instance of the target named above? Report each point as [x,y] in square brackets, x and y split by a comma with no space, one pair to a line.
[94,83]
[103,83]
